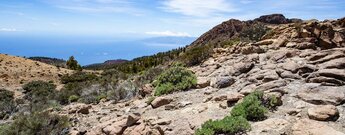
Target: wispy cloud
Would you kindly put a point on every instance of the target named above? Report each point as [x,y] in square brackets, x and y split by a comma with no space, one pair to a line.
[9,30]
[200,8]
[168,33]
[98,6]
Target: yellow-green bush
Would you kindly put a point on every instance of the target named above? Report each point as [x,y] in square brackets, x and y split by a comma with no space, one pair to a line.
[229,125]
[41,123]
[174,79]
[251,107]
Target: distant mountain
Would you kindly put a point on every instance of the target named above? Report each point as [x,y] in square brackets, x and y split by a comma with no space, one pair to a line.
[50,61]
[118,61]
[105,64]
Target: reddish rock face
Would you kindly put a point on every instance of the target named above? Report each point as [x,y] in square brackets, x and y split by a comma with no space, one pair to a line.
[273,19]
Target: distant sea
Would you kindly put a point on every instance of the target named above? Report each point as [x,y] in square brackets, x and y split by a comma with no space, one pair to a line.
[88,50]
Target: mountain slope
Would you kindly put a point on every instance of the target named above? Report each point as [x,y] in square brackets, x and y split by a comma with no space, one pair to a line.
[301,64]
[16,71]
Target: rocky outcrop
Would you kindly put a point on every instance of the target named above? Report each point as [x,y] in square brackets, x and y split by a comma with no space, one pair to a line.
[309,127]
[273,19]
[323,95]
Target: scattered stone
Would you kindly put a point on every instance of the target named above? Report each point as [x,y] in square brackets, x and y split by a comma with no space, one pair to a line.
[184,104]
[162,122]
[220,98]
[169,107]
[202,82]
[207,99]
[223,105]
[160,101]
[293,111]
[323,113]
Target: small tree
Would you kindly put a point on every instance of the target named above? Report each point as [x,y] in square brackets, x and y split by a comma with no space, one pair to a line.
[73,64]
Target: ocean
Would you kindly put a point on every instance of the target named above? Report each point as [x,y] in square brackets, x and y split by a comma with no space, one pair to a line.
[88,50]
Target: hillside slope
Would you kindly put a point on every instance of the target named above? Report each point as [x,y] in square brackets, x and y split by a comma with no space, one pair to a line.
[300,63]
[16,71]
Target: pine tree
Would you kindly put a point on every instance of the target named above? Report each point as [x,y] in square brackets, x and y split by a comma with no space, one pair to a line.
[73,64]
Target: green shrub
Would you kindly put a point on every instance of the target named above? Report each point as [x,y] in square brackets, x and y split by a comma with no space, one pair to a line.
[73,98]
[7,103]
[68,90]
[272,102]
[36,124]
[228,125]
[174,79]
[251,107]
[196,55]
[39,93]
[78,77]
[254,32]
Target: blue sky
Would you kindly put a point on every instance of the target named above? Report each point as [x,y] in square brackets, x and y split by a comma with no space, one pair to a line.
[144,18]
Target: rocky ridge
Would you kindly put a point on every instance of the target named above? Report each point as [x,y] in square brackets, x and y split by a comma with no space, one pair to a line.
[301,63]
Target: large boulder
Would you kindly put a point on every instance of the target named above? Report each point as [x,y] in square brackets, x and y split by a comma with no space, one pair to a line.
[310,127]
[323,95]
[116,128]
[222,82]
[242,67]
[272,126]
[119,127]
[160,101]
[323,113]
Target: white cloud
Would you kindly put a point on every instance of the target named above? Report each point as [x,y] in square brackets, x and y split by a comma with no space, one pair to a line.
[9,30]
[200,8]
[98,6]
[168,33]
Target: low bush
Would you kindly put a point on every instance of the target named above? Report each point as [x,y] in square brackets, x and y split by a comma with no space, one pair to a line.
[41,123]
[254,32]
[229,125]
[73,98]
[70,89]
[77,77]
[272,102]
[196,55]
[251,107]
[39,93]
[7,103]
[174,79]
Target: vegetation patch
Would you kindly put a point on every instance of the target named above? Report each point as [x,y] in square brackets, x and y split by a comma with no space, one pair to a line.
[40,94]
[253,33]
[42,123]
[7,103]
[251,108]
[176,78]
[228,125]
